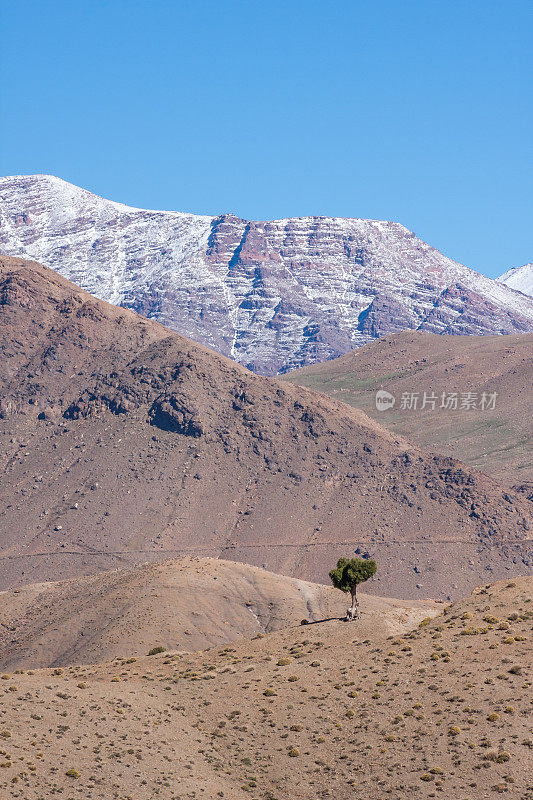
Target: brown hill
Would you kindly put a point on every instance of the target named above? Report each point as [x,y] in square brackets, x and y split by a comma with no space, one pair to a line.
[122,442]
[302,713]
[495,440]
[187,604]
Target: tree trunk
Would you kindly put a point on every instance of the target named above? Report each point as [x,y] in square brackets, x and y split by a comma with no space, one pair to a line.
[353,591]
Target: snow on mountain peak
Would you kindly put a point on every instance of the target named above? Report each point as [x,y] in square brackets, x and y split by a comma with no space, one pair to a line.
[519,278]
[273,295]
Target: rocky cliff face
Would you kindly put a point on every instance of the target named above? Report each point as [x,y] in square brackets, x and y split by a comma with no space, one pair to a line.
[273,296]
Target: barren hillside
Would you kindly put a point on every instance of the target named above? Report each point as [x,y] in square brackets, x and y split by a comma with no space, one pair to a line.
[122,442]
[493,436]
[188,605]
[308,712]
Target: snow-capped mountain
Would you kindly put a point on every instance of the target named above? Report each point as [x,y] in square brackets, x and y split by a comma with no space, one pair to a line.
[519,278]
[272,295]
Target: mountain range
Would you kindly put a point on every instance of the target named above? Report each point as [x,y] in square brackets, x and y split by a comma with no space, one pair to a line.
[273,296]
[123,442]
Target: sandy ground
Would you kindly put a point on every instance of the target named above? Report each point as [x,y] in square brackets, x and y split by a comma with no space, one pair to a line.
[329,710]
[186,604]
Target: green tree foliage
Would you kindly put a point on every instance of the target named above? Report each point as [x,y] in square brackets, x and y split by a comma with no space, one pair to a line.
[350,572]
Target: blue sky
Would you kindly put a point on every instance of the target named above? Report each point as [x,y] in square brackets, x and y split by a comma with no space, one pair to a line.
[418,111]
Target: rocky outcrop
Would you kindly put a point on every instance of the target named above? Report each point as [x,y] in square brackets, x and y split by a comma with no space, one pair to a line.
[175,413]
[273,296]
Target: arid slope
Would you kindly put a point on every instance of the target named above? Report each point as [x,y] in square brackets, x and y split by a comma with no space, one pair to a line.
[313,712]
[188,604]
[122,442]
[496,440]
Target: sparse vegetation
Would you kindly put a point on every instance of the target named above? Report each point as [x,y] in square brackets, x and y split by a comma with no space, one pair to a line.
[238,718]
[156,650]
[72,773]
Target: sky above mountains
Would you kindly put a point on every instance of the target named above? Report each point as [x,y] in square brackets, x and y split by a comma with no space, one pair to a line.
[418,112]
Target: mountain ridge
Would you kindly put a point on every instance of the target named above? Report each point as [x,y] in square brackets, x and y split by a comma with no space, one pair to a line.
[272,295]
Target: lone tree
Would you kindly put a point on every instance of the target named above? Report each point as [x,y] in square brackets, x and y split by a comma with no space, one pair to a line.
[348,573]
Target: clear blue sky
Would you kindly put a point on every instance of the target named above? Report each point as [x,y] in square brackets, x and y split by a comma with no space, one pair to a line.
[418,111]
